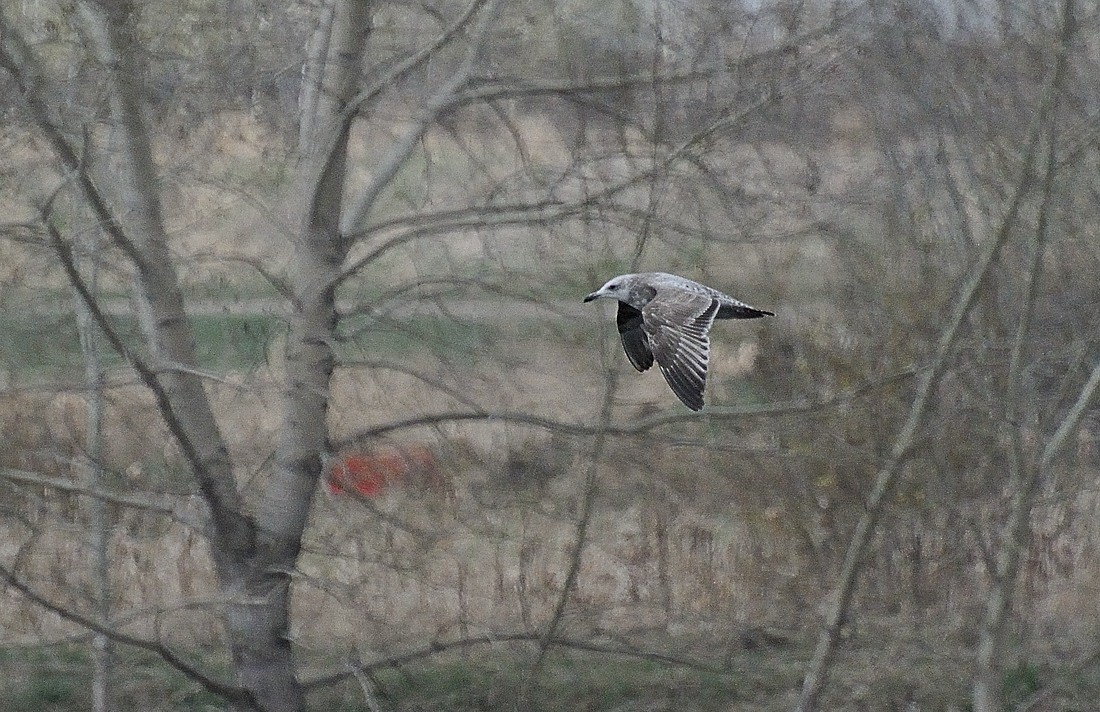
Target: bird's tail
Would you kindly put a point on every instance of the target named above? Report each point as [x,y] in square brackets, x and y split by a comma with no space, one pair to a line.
[741,311]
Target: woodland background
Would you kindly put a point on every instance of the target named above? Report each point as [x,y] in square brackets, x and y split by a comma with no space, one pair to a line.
[245,240]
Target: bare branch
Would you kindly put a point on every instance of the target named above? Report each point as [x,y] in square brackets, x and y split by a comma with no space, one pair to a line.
[555,210]
[1072,420]
[223,510]
[433,107]
[401,69]
[817,674]
[130,501]
[490,89]
[313,68]
[584,518]
[1024,476]
[230,693]
[640,427]
[438,648]
[326,153]
[429,380]
[25,69]
[469,219]
[368,688]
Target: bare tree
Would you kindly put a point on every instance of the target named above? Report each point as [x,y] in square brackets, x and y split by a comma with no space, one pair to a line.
[404,201]
[333,232]
[1034,175]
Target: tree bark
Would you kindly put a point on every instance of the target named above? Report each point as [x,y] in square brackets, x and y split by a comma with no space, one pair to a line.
[259,626]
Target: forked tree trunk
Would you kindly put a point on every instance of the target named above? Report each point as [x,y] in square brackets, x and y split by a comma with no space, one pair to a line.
[253,556]
[259,631]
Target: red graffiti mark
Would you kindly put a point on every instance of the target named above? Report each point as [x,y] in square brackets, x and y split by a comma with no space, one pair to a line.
[369,474]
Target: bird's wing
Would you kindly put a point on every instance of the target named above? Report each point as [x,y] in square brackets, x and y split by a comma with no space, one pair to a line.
[676,323]
[635,341]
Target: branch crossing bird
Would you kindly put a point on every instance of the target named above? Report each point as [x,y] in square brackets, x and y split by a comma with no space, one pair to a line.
[667,318]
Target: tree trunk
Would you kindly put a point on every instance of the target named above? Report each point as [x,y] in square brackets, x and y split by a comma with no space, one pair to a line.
[259,631]
[253,557]
[253,573]
[141,234]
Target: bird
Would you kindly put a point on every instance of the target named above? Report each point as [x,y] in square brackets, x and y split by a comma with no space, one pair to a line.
[667,318]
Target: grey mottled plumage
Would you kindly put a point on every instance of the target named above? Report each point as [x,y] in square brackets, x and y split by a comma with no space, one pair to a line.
[666,318]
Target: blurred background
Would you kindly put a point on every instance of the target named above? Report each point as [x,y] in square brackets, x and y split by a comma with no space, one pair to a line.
[850,166]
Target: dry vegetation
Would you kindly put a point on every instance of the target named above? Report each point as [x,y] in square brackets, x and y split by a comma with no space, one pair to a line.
[712,541]
[854,202]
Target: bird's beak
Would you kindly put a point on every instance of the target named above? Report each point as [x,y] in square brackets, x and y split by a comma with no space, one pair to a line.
[592,296]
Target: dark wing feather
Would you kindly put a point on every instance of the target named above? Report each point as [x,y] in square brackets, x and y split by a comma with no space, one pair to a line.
[741,310]
[635,341]
[677,324]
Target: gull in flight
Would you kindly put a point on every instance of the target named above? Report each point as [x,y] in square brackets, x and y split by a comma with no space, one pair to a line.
[666,318]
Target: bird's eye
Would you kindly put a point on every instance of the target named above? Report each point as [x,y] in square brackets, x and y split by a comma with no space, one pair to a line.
[612,286]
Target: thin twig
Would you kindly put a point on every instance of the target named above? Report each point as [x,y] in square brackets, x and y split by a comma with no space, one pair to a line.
[841,597]
[637,428]
[438,648]
[230,693]
[225,515]
[433,108]
[368,688]
[1025,477]
[129,501]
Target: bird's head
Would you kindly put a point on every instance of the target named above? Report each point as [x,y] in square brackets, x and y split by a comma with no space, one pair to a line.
[616,288]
